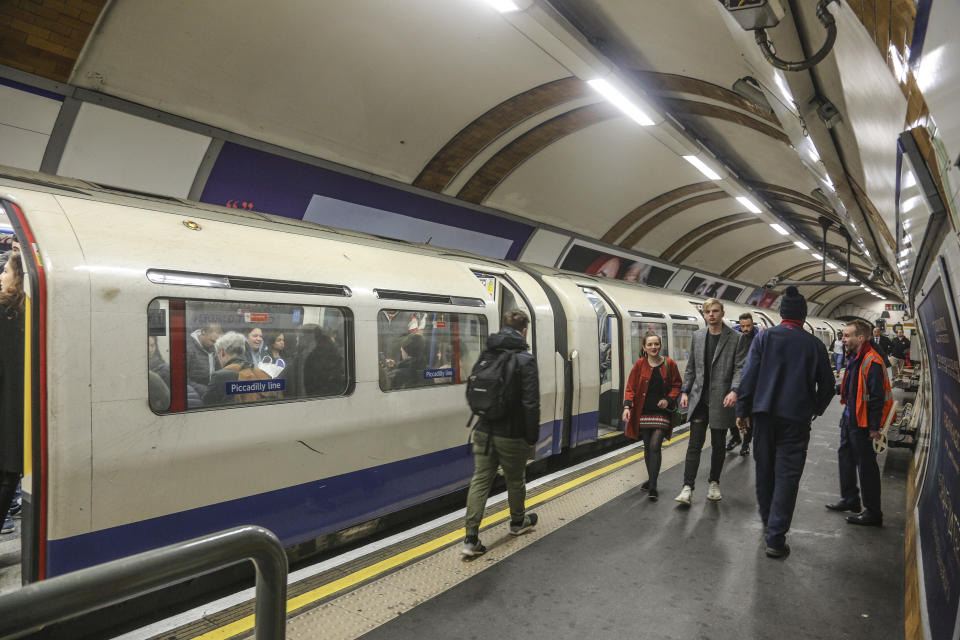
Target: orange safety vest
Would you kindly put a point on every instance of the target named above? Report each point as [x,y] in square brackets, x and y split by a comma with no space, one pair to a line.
[869,358]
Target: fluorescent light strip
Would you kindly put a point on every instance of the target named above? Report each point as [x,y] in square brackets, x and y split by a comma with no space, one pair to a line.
[503,6]
[748,203]
[800,245]
[816,256]
[620,101]
[831,265]
[779,229]
[702,166]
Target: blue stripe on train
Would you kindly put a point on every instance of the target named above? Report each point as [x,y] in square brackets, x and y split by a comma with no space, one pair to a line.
[294,514]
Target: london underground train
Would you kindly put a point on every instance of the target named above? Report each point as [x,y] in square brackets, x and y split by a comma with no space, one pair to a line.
[128,449]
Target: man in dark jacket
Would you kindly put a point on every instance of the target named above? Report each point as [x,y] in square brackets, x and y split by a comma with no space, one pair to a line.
[507,442]
[748,331]
[860,425]
[882,345]
[787,381]
[898,352]
[202,357]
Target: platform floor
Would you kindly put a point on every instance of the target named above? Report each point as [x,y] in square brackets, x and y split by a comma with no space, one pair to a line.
[635,569]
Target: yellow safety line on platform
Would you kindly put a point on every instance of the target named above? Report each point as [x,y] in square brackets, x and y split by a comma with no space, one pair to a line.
[246,624]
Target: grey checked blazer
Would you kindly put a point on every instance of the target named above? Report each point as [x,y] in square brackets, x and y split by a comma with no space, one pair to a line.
[727,365]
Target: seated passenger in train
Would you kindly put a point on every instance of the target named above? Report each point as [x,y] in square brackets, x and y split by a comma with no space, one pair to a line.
[231,348]
[324,373]
[408,373]
[155,361]
[201,357]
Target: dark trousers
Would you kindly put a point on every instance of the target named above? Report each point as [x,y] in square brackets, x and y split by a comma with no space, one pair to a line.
[698,435]
[857,458]
[746,438]
[780,452]
[9,481]
[652,456]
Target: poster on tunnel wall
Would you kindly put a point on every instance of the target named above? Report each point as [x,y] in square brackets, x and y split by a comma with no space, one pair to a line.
[938,508]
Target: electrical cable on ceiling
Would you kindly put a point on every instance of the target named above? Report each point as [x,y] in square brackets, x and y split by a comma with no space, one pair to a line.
[828,22]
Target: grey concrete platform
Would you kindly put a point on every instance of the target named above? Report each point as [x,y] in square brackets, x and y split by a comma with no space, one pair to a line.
[635,569]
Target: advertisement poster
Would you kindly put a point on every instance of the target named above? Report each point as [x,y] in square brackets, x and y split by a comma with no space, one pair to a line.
[763,298]
[606,265]
[938,509]
[707,287]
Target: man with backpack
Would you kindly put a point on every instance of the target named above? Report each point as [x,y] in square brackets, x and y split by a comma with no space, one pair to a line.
[504,391]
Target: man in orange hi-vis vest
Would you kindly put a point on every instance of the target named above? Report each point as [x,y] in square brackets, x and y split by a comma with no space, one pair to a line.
[865,392]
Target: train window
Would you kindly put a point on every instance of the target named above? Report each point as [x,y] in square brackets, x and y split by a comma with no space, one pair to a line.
[640,330]
[213,354]
[427,348]
[682,343]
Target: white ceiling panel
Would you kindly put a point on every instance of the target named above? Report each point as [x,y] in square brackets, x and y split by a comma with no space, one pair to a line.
[378,85]
[590,179]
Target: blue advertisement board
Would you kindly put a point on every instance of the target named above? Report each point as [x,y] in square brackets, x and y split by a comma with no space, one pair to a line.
[939,503]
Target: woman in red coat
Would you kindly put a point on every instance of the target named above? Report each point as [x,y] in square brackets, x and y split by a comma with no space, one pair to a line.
[649,403]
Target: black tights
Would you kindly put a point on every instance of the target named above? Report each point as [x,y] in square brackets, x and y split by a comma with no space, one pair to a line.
[652,442]
[8,487]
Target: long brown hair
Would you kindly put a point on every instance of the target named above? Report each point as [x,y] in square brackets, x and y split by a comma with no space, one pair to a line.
[13,299]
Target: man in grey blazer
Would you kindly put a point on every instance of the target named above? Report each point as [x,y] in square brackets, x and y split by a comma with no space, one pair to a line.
[710,387]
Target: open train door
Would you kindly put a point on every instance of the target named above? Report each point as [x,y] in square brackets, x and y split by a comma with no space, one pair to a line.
[34,526]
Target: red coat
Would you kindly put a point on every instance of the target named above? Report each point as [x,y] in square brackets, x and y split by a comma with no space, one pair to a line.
[636,391]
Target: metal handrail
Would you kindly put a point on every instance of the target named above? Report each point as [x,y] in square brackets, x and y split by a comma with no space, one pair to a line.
[38,605]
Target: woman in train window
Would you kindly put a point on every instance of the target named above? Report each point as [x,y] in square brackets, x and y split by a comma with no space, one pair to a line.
[276,344]
[256,348]
[649,402]
[11,384]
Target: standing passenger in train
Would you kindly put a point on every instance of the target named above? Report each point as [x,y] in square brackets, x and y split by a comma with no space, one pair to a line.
[275,342]
[256,348]
[201,356]
[710,387]
[11,384]
[649,403]
[787,381]
[408,373]
[507,442]
[231,349]
[748,331]
[867,399]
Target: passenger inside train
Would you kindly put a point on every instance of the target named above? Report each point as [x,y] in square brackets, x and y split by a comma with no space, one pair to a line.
[11,386]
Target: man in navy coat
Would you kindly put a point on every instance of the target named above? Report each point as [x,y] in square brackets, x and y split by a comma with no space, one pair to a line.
[787,381]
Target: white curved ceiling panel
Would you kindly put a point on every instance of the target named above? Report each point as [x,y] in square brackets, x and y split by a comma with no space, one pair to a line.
[379,85]
[718,256]
[588,180]
[664,235]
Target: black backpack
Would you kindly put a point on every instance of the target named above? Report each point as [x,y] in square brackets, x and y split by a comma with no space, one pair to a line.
[489,384]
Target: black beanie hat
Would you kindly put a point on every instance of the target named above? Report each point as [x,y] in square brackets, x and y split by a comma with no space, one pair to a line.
[793,306]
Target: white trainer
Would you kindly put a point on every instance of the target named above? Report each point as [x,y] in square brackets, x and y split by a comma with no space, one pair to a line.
[713,492]
[685,494]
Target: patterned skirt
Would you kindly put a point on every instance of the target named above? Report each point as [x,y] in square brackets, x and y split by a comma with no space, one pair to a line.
[654,421]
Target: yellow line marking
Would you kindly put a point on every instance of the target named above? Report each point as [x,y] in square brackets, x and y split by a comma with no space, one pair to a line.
[246,624]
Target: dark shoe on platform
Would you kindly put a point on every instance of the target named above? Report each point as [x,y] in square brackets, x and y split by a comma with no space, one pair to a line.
[653,496]
[778,552]
[645,485]
[745,450]
[844,506]
[866,520]
[733,443]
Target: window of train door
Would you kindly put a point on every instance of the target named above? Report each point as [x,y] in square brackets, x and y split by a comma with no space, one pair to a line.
[608,343]
[510,299]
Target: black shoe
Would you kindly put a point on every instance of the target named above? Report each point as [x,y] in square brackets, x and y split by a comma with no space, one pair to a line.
[653,496]
[844,506]
[866,520]
[745,450]
[778,552]
[645,485]
[733,443]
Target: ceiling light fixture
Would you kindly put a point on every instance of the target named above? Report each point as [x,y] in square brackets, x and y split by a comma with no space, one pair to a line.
[779,229]
[748,203]
[503,6]
[702,166]
[831,265]
[800,245]
[620,101]
[816,255]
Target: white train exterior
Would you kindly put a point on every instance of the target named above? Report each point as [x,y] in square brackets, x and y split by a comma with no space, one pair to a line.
[106,476]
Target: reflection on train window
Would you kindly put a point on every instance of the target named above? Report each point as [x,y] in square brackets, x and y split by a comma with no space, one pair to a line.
[212,354]
[682,342]
[427,348]
[640,330]
[605,333]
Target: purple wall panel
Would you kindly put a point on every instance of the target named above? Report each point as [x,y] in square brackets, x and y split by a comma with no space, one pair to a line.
[281,186]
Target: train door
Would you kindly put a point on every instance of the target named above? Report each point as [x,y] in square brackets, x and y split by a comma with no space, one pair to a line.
[609,374]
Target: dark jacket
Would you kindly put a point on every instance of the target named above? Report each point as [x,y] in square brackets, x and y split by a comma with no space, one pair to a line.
[787,375]
[217,391]
[523,399]
[874,388]
[900,347]
[882,345]
[199,364]
[11,392]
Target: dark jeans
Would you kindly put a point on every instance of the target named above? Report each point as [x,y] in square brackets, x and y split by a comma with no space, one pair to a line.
[698,435]
[856,457]
[9,482]
[652,444]
[838,361]
[780,452]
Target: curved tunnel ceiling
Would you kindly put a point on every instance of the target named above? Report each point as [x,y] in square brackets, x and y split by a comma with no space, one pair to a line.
[465,105]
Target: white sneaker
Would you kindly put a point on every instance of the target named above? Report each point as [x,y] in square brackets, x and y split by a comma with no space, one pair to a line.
[713,492]
[685,494]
